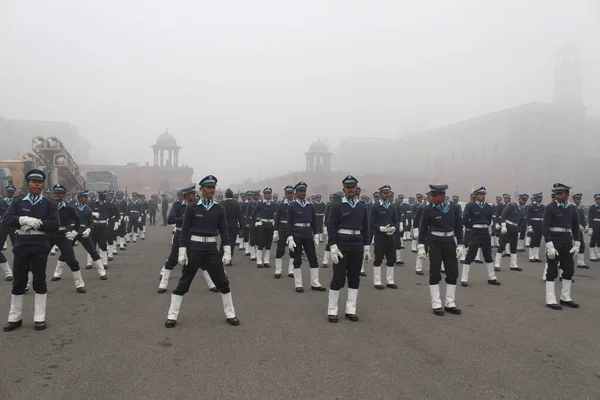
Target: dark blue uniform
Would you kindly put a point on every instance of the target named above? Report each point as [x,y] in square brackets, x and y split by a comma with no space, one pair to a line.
[86,222]
[203,222]
[264,212]
[302,226]
[594,221]
[175,217]
[4,231]
[281,218]
[560,226]
[513,215]
[534,217]
[354,223]
[69,220]
[477,218]
[31,248]
[439,227]
[381,216]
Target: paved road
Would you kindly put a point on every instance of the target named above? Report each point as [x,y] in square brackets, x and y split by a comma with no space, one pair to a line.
[111,343]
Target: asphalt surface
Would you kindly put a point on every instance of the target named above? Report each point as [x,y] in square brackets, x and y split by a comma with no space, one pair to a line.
[111,343]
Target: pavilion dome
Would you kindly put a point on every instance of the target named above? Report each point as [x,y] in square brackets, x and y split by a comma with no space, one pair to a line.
[318,147]
[166,139]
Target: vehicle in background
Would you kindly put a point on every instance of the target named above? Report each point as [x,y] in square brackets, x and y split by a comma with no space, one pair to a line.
[101,180]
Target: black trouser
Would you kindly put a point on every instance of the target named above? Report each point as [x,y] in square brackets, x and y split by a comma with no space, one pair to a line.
[143,222]
[494,227]
[595,239]
[319,223]
[4,232]
[564,259]
[264,237]
[512,236]
[281,244]
[122,228]
[246,234]
[66,251]
[348,267]
[88,245]
[442,252]
[111,234]
[384,246]
[468,235]
[34,259]
[252,235]
[480,238]
[174,254]
[99,234]
[536,235]
[582,246]
[3,258]
[522,230]
[233,233]
[308,244]
[208,260]
[398,239]
[152,214]
[164,216]
[134,224]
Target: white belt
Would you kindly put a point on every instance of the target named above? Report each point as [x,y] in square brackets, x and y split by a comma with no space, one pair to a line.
[62,228]
[204,239]
[596,219]
[83,225]
[320,214]
[442,234]
[511,223]
[558,229]
[480,226]
[178,229]
[349,232]
[30,232]
[283,222]
[267,220]
[101,221]
[302,225]
[536,219]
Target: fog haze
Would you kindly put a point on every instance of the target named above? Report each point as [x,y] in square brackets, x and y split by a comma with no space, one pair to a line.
[247,86]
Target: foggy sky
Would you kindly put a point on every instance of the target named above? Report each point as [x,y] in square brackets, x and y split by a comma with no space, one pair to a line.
[263,79]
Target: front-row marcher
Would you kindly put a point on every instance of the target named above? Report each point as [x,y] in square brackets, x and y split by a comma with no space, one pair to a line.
[477,217]
[33,216]
[560,226]
[440,226]
[348,232]
[303,235]
[203,221]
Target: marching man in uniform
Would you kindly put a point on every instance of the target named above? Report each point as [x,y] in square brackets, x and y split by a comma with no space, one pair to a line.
[440,225]
[302,235]
[202,222]
[33,216]
[383,219]
[560,227]
[348,238]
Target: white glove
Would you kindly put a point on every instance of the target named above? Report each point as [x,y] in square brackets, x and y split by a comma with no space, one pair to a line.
[290,243]
[406,222]
[421,252]
[116,226]
[415,233]
[530,229]
[275,236]
[391,230]
[317,241]
[126,219]
[30,222]
[96,215]
[335,254]
[575,248]
[86,233]
[226,254]
[174,229]
[498,226]
[367,254]
[71,235]
[591,231]
[401,227]
[139,219]
[384,229]
[258,223]
[460,251]
[183,259]
[551,251]
[325,230]
[504,229]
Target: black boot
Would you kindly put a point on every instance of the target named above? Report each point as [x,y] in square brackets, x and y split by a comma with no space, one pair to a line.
[11,326]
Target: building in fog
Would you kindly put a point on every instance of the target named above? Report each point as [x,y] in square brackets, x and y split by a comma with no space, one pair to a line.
[16,136]
[165,175]
[521,149]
